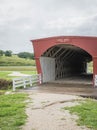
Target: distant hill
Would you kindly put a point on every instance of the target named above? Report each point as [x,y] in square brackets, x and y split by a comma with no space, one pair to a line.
[14,60]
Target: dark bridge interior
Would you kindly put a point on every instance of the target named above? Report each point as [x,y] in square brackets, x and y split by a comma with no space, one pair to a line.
[69,60]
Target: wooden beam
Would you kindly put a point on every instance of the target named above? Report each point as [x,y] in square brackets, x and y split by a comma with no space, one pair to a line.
[66,55]
[57,52]
[65,50]
[48,52]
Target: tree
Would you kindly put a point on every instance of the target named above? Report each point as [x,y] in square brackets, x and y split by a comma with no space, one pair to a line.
[1,52]
[23,55]
[31,56]
[26,55]
[8,53]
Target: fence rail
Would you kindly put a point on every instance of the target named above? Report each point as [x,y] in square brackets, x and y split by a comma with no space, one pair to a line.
[26,80]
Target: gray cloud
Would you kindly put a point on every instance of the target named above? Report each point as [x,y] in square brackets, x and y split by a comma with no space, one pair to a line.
[23,20]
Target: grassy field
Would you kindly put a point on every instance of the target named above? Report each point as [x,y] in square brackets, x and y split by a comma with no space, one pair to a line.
[17,68]
[5,74]
[15,61]
[6,70]
[12,111]
[87,113]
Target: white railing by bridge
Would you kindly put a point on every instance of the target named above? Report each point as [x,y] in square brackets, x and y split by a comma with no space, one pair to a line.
[26,80]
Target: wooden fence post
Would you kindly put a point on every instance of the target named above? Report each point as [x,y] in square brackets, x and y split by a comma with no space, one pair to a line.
[24,82]
[13,85]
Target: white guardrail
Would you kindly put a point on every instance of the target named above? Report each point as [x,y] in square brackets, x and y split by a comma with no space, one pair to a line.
[26,80]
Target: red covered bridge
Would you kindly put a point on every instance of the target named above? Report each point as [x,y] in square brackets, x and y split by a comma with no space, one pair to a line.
[64,56]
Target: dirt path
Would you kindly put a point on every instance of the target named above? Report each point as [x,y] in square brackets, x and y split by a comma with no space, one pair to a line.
[16,73]
[45,112]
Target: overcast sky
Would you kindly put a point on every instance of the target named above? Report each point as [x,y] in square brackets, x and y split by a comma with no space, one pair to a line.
[24,20]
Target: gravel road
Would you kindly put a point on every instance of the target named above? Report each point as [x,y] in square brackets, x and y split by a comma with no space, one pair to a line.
[45,112]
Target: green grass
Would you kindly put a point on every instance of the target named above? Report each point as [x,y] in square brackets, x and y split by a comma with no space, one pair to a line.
[90,67]
[4,74]
[17,68]
[2,91]
[12,111]
[15,61]
[87,112]
[5,70]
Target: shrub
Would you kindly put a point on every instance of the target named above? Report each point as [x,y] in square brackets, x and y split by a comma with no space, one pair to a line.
[8,53]
[1,52]
[26,55]
[5,84]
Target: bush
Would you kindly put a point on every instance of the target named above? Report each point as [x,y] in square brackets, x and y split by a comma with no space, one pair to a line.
[1,52]
[5,84]
[8,53]
[26,55]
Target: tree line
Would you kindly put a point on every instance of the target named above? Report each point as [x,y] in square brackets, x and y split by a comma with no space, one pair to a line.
[25,55]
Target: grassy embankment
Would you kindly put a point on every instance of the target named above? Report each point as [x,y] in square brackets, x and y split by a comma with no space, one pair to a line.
[15,61]
[87,112]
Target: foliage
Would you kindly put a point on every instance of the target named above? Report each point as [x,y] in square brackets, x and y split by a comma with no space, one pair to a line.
[87,112]
[8,53]
[15,61]
[1,52]
[5,84]
[90,67]
[26,55]
[12,111]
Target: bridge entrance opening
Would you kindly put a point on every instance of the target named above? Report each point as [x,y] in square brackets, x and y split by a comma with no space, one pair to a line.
[66,63]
